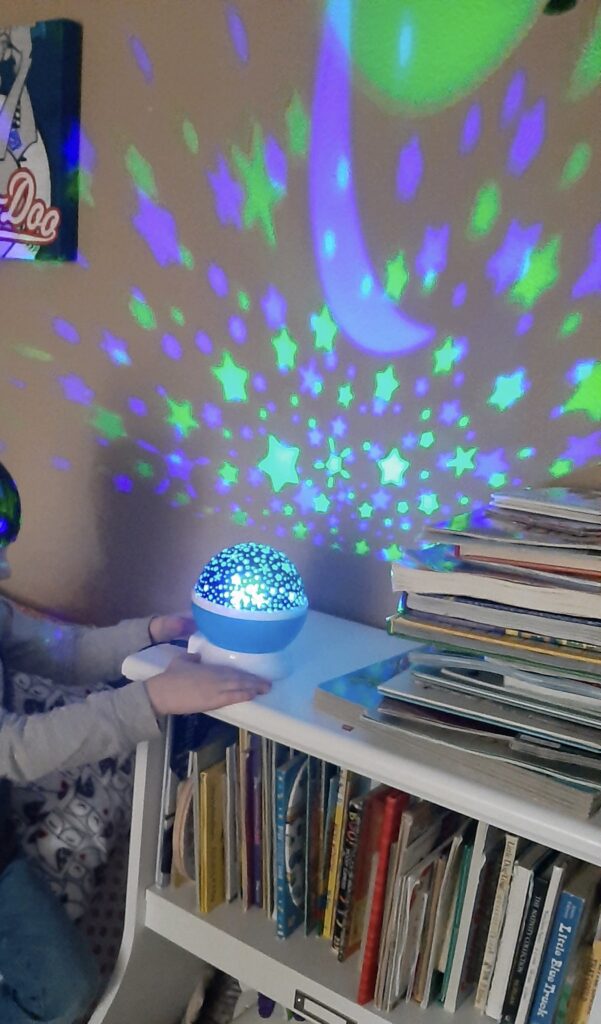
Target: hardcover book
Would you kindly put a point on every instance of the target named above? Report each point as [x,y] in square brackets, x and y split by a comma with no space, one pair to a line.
[291,810]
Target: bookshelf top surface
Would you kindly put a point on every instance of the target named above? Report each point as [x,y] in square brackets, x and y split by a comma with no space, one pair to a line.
[328,647]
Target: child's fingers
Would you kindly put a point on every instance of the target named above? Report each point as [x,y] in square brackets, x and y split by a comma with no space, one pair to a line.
[234,697]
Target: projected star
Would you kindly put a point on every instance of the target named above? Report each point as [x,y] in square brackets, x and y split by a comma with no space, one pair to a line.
[274,308]
[445,357]
[311,381]
[345,395]
[297,124]
[386,384]
[508,389]
[324,328]
[397,276]
[181,417]
[490,464]
[366,510]
[428,503]
[279,464]
[108,423]
[228,473]
[462,460]
[228,193]
[233,379]
[240,517]
[361,547]
[581,449]
[587,395]
[393,467]
[540,273]
[393,553]
[261,195]
[321,504]
[300,531]
[449,412]
[285,347]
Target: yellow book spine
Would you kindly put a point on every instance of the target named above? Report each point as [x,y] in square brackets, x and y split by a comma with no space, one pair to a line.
[582,1010]
[212,859]
[335,858]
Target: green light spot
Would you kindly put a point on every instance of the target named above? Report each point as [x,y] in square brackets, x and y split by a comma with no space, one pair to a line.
[181,498]
[509,389]
[294,401]
[425,414]
[393,553]
[571,324]
[393,468]
[325,329]
[145,470]
[233,379]
[186,257]
[244,301]
[424,474]
[228,473]
[177,316]
[402,507]
[397,276]
[285,349]
[446,356]
[261,195]
[300,531]
[587,395]
[142,313]
[576,165]
[561,467]
[361,547]
[279,464]
[263,414]
[366,446]
[181,417]
[239,517]
[345,396]
[108,423]
[587,73]
[462,461]
[428,504]
[226,433]
[366,510]
[485,211]
[297,124]
[321,504]
[464,421]
[526,453]
[464,500]
[497,479]
[386,384]
[190,136]
[427,439]
[140,172]
[540,274]
[37,354]
[288,510]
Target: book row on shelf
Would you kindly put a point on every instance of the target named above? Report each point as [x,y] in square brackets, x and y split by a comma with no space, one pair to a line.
[427,904]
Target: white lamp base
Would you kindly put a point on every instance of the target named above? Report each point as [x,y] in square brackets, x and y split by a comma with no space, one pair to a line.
[272,665]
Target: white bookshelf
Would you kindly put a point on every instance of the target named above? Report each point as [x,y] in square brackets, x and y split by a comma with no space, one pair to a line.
[164,936]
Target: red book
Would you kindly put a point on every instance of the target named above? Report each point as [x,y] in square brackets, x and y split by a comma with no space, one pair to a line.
[394,805]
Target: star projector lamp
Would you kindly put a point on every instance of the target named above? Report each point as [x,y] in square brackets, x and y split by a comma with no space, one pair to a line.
[248,603]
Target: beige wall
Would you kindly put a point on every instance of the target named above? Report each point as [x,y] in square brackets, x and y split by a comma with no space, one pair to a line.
[90,550]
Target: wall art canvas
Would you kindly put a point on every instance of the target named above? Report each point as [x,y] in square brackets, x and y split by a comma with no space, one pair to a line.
[40,83]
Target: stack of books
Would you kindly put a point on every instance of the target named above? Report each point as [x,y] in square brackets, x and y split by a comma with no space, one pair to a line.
[509,600]
[426,904]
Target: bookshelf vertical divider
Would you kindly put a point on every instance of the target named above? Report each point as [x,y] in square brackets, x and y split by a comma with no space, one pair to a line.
[164,937]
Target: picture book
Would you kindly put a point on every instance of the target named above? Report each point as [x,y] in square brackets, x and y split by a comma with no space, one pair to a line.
[211,888]
[436,961]
[231,819]
[455,917]
[372,814]
[313,839]
[347,696]
[347,785]
[330,795]
[291,810]
[523,948]
[511,846]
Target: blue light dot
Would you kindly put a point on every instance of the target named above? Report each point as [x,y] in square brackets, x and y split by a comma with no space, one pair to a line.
[329,243]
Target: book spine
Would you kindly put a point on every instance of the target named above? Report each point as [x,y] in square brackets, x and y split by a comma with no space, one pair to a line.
[336,855]
[212,887]
[496,922]
[347,874]
[257,827]
[584,1005]
[280,840]
[523,952]
[461,888]
[555,962]
[369,964]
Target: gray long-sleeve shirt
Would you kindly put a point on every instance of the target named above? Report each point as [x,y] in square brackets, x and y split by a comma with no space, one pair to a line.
[104,725]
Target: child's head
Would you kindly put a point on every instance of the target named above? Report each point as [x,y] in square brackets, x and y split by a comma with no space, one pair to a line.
[10,516]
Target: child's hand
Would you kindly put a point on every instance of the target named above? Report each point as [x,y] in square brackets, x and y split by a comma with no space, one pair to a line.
[189,686]
[164,628]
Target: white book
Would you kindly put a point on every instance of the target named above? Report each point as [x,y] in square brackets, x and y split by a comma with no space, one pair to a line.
[447,889]
[485,839]
[496,921]
[557,870]
[519,893]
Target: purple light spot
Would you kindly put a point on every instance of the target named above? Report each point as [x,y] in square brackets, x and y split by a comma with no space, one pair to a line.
[259,383]
[238,33]
[227,192]
[66,331]
[421,386]
[458,379]
[61,464]
[157,226]
[116,349]
[203,343]
[76,390]
[459,294]
[409,170]
[211,414]
[581,449]
[507,265]
[274,308]
[218,281]
[137,406]
[123,484]
[171,346]
[432,258]
[513,97]
[275,163]
[472,126]
[590,281]
[524,323]
[237,329]
[528,139]
[142,59]
[81,260]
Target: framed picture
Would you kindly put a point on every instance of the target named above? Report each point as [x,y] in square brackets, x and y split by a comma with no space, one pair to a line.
[40,87]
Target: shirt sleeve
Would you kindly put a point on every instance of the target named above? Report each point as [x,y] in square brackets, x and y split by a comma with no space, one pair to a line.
[74,655]
[106,724]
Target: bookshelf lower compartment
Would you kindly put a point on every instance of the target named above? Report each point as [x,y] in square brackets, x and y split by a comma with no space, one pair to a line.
[245,945]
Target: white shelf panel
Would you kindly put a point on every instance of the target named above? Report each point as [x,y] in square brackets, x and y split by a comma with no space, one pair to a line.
[328,647]
[245,944]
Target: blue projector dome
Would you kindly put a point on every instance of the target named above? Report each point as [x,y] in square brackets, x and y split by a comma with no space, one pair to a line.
[249,598]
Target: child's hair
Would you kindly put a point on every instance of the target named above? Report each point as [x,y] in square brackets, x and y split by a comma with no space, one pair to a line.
[10,508]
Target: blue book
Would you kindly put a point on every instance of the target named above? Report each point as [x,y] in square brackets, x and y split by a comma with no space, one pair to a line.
[573,904]
[291,811]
